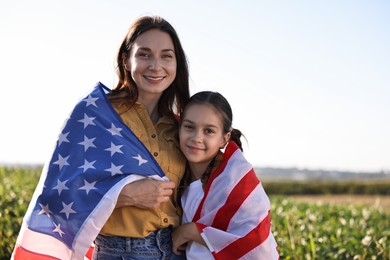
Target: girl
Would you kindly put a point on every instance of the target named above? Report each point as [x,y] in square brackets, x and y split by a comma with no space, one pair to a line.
[226,213]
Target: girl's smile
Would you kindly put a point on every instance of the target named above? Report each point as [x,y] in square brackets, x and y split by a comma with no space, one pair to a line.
[201,135]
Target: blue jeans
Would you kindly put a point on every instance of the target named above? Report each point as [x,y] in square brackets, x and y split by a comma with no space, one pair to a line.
[156,246]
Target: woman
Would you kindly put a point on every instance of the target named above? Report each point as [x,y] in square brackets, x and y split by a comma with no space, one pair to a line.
[151,92]
[226,212]
[116,165]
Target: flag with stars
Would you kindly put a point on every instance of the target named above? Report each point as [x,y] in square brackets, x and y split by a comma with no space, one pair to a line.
[95,156]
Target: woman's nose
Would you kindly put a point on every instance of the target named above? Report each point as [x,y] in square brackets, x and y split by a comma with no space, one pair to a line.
[155,64]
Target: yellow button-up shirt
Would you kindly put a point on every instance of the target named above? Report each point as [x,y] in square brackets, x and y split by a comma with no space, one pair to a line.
[161,141]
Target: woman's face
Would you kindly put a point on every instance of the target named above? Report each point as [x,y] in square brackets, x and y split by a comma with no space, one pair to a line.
[152,63]
[201,134]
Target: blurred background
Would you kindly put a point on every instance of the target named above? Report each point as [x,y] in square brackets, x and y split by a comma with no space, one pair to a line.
[308,80]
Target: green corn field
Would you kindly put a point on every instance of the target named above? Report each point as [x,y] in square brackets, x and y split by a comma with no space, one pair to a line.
[303,230]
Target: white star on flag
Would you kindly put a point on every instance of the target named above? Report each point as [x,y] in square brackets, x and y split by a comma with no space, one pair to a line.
[114,169]
[67,209]
[58,229]
[88,143]
[60,186]
[140,160]
[87,165]
[88,186]
[63,138]
[87,121]
[114,130]
[45,210]
[62,161]
[91,101]
[114,149]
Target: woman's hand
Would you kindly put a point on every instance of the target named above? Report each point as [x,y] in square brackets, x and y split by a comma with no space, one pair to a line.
[146,193]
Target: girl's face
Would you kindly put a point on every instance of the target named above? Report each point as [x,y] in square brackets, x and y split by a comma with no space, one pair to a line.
[152,63]
[201,134]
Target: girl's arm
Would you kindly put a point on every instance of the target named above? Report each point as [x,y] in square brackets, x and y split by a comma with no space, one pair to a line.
[183,234]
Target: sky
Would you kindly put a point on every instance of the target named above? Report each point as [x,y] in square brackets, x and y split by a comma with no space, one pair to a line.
[308,81]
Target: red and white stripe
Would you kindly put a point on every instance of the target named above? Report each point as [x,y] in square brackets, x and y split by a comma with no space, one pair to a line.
[234,215]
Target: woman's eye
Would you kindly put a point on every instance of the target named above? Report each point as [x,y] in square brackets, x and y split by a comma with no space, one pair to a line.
[145,55]
[167,56]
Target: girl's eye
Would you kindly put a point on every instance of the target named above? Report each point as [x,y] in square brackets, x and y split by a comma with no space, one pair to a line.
[209,131]
[188,127]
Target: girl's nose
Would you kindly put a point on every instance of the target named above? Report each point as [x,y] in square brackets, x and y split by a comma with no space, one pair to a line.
[197,137]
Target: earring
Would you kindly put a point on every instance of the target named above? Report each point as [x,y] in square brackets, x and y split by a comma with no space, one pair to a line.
[125,65]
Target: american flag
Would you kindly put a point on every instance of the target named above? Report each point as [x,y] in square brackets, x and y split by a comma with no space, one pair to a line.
[234,215]
[95,156]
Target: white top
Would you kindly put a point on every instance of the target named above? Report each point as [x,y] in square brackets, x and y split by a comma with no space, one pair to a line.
[190,201]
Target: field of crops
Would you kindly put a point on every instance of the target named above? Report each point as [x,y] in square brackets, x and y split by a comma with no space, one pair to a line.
[303,230]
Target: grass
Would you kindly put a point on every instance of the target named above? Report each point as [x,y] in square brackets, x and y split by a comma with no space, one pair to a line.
[305,227]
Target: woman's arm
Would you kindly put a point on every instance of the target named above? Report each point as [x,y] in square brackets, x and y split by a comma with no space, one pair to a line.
[146,193]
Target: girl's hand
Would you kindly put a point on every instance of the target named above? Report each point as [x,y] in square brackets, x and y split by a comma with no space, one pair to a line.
[184,234]
[179,241]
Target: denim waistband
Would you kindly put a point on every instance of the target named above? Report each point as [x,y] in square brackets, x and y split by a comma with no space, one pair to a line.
[153,239]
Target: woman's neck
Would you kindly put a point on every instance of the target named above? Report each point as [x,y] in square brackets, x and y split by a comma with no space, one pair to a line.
[151,106]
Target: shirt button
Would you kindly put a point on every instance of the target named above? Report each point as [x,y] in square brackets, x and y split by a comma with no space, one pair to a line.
[155,153]
[165,220]
[153,135]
